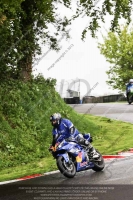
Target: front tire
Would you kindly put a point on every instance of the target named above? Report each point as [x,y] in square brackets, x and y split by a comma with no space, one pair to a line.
[99,163]
[130,100]
[67,170]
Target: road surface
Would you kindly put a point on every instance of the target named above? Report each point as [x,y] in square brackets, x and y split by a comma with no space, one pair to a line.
[117,111]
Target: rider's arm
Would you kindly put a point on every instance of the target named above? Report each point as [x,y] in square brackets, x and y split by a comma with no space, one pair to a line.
[70,126]
[72,129]
[54,140]
[55,135]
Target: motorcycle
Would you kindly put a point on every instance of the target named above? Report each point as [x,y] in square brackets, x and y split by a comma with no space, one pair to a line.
[130,95]
[72,157]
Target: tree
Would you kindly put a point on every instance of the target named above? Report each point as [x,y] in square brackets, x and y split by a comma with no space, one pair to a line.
[118,50]
[8,36]
[24,23]
[21,33]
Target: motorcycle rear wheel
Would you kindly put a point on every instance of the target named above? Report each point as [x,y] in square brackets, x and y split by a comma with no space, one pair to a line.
[99,163]
[67,170]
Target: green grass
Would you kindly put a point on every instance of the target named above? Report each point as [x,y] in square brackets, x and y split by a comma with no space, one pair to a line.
[109,136]
[40,167]
[112,136]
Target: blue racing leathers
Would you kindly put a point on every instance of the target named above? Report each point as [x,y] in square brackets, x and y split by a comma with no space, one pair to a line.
[128,87]
[66,130]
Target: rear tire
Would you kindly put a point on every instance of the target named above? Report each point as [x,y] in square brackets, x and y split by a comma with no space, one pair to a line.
[65,169]
[99,163]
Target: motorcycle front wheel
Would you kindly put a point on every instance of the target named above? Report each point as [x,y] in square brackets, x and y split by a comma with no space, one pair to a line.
[68,170]
[99,163]
[129,102]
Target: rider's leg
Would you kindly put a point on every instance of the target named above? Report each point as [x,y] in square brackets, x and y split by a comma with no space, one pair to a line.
[89,146]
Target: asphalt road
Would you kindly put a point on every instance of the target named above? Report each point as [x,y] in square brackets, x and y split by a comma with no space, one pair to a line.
[117,111]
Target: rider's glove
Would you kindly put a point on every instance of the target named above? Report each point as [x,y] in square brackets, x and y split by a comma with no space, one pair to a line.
[51,148]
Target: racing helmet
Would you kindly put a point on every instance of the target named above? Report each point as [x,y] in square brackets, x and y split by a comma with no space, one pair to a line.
[55,119]
[131,81]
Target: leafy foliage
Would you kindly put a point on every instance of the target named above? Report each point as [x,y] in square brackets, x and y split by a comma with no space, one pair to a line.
[118,50]
[23,28]
[116,8]
[24,25]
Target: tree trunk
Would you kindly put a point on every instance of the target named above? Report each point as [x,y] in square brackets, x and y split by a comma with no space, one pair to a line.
[25,68]
[28,48]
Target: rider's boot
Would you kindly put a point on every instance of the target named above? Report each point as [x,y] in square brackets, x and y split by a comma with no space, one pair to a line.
[91,150]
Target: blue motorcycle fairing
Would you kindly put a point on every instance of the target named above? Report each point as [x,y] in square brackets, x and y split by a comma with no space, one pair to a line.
[84,165]
[71,145]
[65,156]
[76,151]
[82,162]
[73,149]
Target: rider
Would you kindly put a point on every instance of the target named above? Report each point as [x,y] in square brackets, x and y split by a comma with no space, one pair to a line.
[130,84]
[66,129]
